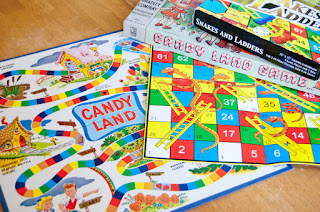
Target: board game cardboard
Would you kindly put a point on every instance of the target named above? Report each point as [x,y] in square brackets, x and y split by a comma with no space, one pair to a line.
[148,22]
[292,46]
[71,135]
[200,112]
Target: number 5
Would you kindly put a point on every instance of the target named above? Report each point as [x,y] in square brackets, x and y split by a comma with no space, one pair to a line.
[254,153]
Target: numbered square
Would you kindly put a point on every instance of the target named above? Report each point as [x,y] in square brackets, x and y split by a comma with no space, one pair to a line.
[159,113]
[253,153]
[155,152]
[203,153]
[230,152]
[182,149]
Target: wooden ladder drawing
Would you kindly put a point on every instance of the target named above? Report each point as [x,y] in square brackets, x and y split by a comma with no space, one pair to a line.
[183,125]
[315,121]
[236,92]
[172,100]
[286,94]
[282,140]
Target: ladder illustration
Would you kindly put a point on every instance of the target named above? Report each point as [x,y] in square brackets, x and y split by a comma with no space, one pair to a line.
[183,125]
[170,98]
[272,30]
[315,121]
[282,140]
[317,39]
[235,92]
[294,48]
[286,94]
[252,13]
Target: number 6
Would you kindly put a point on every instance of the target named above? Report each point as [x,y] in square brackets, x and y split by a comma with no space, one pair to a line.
[277,153]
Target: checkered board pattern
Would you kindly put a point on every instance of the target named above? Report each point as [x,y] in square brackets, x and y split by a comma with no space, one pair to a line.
[300,142]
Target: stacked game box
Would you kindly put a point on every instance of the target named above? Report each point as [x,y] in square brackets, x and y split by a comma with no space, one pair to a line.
[168,25]
[290,45]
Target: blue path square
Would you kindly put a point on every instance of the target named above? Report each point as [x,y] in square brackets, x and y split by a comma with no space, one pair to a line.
[158,67]
[228,117]
[316,152]
[275,153]
[262,90]
[188,134]
[202,72]
[184,97]
[208,155]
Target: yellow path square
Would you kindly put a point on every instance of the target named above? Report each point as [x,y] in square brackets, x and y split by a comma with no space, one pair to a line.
[35,169]
[301,41]
[187,69]
[249,89]
[139,185]
[303,157]
[207,181]
[37,192]
[238,16]
[206,88]
[269,105]
[291,118]
[229,75]
[158,129]
[160,79]
[209,117]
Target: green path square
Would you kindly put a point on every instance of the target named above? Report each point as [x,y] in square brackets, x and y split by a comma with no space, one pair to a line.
[313,134]
[247,136]
[180,59]
[203,135]
[156,98]
[242,78]
[228,102]
[316,110]
[291,90]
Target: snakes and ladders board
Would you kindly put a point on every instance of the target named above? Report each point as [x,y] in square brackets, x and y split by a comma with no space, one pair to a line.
[199,112]
[71,135]
[168,25]
[287,44]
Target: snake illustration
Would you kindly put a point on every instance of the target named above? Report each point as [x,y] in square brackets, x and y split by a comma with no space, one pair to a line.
[292,108]
[274,119]
[197,95]
[194,83]
[215,94]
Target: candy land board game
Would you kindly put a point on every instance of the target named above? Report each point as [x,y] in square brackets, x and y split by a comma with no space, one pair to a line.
[168,24]
[200,112]
[292,46]
[72,122]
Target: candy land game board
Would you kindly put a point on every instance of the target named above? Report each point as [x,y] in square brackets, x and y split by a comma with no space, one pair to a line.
[71,135]
[200,112]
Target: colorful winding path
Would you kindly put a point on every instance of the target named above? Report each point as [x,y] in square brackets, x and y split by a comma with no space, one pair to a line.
[92,164]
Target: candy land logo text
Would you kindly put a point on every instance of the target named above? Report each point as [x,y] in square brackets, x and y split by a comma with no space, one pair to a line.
[103,117]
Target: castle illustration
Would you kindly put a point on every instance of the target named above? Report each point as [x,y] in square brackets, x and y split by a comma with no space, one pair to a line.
[84,61]
[13,137]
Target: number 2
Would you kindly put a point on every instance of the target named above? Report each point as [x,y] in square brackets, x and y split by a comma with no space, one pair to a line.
[181,151]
